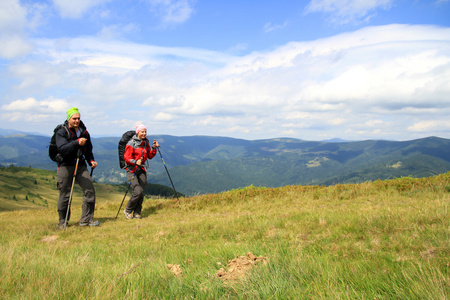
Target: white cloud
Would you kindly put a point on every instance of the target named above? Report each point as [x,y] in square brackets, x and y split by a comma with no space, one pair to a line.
[377,81]
[112,61]
[430,125]
[173,11]
[34,106]
[117,31]
[13,46]
[111,54]
[12,16]
[164,117]
[238,48]
[269,27]
[37,75]
[347,11]
[31,112]
[13,21]
[75,9]
[368,65]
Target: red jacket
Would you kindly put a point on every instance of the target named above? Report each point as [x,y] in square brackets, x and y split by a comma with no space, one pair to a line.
[136,149]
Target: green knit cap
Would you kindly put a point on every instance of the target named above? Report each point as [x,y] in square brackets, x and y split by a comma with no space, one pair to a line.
[71,112]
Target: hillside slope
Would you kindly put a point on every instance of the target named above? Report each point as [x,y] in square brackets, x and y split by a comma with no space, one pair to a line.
[376,240]
[27,188]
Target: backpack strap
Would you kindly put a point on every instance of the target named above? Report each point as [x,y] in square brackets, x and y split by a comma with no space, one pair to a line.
[67,131]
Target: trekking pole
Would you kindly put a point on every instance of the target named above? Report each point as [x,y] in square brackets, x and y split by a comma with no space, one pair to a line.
[128,187]
[71,189]
[176,194]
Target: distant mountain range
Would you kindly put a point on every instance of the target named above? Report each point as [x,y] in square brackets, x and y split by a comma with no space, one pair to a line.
[206,164]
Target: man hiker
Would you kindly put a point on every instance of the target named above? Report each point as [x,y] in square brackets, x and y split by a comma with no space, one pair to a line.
[137,151]
[74,145]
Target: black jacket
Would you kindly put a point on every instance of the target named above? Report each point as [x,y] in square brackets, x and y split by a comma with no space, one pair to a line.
[68,145]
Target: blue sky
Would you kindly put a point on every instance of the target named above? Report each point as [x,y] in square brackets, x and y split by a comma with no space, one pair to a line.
[312,70]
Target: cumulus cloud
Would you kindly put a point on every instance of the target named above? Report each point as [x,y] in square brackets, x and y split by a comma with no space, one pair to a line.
[347,11]
[13,21]
[12,16]
[32,115]
[430,125]
[13,46]
[34,106]
[164,117]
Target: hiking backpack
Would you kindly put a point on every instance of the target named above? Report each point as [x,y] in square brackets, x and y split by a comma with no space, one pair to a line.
[122,144]
[52,148]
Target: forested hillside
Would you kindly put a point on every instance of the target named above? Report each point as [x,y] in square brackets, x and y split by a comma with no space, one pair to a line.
[204,164]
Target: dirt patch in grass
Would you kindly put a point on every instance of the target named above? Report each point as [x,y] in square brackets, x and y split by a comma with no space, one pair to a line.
[49,239]
[175,269]
[53,239]
[240,266]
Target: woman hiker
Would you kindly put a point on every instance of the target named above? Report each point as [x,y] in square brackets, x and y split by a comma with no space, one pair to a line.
[137,151]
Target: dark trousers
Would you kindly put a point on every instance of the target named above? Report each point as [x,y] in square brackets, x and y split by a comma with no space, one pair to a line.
[64,182]
[138,183]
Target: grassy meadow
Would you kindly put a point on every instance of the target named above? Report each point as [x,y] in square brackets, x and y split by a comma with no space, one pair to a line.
[375,240]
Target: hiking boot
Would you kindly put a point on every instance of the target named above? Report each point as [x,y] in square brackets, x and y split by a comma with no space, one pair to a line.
[91,223]
[137,216]
[127,215]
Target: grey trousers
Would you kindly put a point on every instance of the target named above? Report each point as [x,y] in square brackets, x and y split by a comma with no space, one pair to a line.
[138,183]
[64,179]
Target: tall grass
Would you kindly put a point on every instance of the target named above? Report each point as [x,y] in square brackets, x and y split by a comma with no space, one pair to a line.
[376,240]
